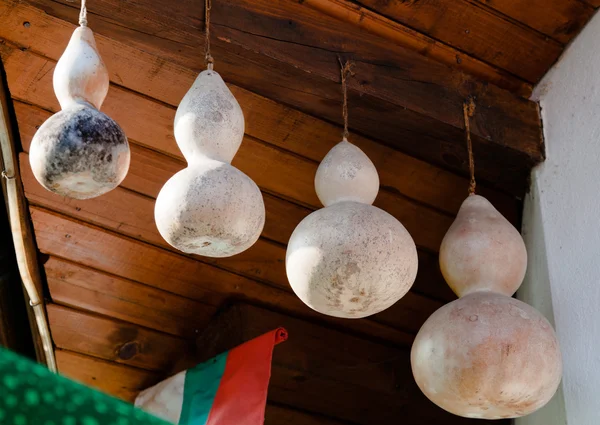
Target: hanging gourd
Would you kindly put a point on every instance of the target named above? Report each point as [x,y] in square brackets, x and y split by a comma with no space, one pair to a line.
[485,355]
[80,152]
[210,208]
[350,259]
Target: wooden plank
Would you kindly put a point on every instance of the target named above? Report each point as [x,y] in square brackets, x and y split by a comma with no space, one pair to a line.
[120,381]
[559,19]
[503,121]
[265,119]
[407,37]
[477,31]
[324,371]
[147,264]
[112,340]
[88,289]
[126,382]
[274,170]
[133,215]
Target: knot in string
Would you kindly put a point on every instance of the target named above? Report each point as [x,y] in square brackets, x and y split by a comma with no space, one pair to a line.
[468,112]
[83,14]
[208,58]
[345,71]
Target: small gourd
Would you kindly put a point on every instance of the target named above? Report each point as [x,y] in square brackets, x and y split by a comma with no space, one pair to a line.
[486,355]
[80,152]
[350,259]
[210,208]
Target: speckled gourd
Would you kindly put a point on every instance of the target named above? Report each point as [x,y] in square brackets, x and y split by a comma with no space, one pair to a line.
[80,152]
[350,259]
[210,208]
[486,355]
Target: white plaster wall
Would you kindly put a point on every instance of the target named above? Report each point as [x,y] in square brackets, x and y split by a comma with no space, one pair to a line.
[561,226]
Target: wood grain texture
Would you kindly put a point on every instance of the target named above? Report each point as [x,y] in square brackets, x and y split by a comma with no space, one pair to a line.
[325,371]
[559,19]
[274,170]
[120,381]
[77,286]
[432,130]
[130,214]
[126,382]
[131,259]
[266,120]
[407,314]
[477,31]
[113,340]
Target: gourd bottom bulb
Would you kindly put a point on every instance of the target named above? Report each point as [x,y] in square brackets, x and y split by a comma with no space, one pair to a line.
[351,260]
[210,208]
[79,152]
[487,355]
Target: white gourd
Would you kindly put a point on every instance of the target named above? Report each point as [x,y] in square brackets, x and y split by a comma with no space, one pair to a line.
[486,355]
[350,259]
[80,152]
[210,208]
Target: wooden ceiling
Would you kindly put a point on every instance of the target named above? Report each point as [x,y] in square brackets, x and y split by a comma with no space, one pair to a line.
[124,306]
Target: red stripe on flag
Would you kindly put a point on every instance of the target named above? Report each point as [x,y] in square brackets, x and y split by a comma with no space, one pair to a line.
[242,394]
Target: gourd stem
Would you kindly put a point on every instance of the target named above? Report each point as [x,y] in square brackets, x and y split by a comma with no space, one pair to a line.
[83,14]
[468,112]
[209,59]
[346,69]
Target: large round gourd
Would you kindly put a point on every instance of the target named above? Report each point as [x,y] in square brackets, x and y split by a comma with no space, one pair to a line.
[80,152]
[486,355]
[350,259]
[210,208]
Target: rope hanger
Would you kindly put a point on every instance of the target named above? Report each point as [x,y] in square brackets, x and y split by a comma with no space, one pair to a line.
[208,58]
[345,71]
[468,112]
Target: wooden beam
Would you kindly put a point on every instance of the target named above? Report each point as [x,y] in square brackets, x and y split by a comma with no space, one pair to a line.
[405,36]
[84,288]
[114,340]
[416,108]
[266,120]
[477,31]
[559,19]
[134,260]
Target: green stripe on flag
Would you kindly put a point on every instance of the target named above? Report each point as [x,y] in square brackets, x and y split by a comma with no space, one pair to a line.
[200,389]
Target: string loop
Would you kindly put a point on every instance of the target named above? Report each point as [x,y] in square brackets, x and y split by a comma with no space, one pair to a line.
[208,58]
[468,112]
[83,14]
[6,176]
[345,71]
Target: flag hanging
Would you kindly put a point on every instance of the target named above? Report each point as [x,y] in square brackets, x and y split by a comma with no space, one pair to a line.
[230,389]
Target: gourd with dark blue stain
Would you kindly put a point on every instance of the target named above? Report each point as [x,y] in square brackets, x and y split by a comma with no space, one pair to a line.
[80,152]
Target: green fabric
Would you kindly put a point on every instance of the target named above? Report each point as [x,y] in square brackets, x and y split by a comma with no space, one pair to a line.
[199,390]
[32,395]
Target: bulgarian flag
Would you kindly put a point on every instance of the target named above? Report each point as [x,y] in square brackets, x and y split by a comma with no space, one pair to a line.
[230,389]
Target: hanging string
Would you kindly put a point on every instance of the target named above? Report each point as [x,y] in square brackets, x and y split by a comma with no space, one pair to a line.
[468,112]
[83,14]
[345,70]
[209,59]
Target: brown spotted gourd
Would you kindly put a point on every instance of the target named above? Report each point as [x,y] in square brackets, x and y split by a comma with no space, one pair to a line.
[80,152]
[210,208]
[486,355]
[350,259]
